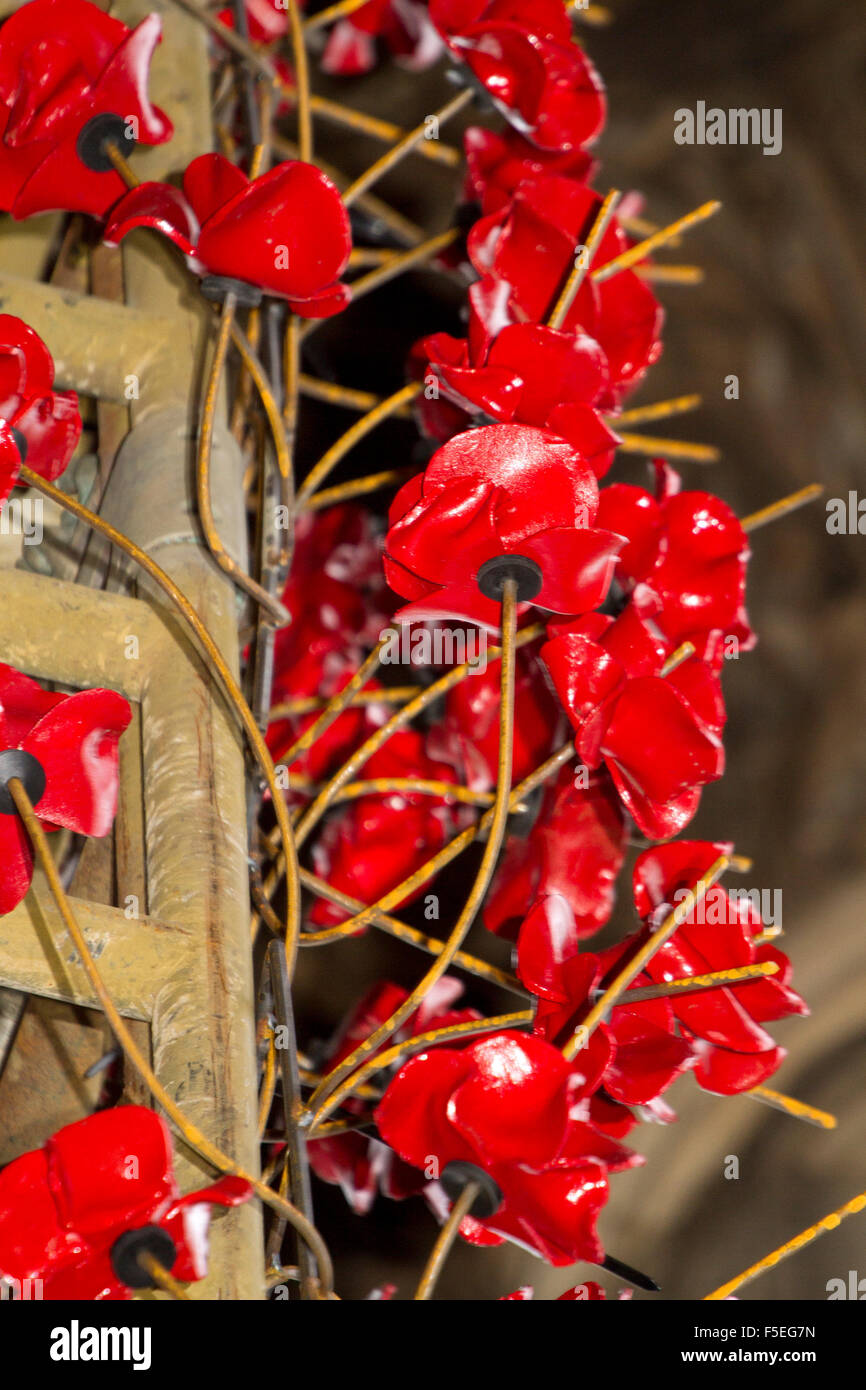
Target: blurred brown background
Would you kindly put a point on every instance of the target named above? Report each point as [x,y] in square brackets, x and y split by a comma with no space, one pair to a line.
[782,308]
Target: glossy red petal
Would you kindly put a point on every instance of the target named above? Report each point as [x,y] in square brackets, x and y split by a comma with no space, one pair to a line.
[10,461]
[122,86]
[730,1073]
[16,863]
[631,512]
[548,939]
[513,1105]
[76,742]
[576,565]
[89,1173]
[554,1212]
[588,680]
[575,849]
[657,742]
[159,207]
[210,182]
[23,702]
[587,432]
[26,366]
[545,481]
[287,231]
[412,1115]
[447,536]
[647,1060]
[701,576]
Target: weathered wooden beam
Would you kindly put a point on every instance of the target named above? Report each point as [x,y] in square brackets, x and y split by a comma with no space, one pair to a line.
[134,955]
[78,636]
[100,348]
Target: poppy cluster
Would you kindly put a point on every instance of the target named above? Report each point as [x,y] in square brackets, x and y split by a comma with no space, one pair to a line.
[634,598]
[640,596]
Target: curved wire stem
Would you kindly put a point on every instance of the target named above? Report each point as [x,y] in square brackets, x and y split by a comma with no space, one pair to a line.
[215,545]
[414,137]
[403,932]
[495,839]
[416,786]
[260,380]
[193,1136]
[359,487]
[664,236]
[269,1085]
[827,1223]
[302,82]
[328,462]
[444,1241]
[227,681]
[308,704]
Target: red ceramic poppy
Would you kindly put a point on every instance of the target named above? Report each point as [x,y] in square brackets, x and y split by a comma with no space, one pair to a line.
[637,1053]
[734,1051]
[574,850]
[467,736]
[66,68]
[63,1207]
[525,373]
[507,1105]
[403,25]
[497,163]
[46,423]
[373,843]
[523,55]
[360,1165]
[658,736]
[530,243]
[286,232]
[500,490]
[685,561]
[75,738]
